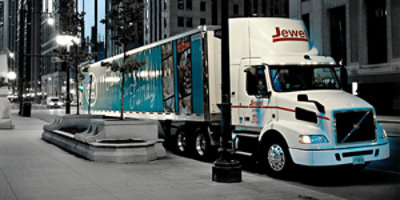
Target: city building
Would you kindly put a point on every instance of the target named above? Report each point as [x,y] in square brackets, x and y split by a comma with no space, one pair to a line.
[3,18]
[165,18]
[3,47]
[111,48]
[22,42]
[54,72]
[365,35]
[9,35]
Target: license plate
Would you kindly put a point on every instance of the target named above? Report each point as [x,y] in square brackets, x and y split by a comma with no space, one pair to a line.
[358,160]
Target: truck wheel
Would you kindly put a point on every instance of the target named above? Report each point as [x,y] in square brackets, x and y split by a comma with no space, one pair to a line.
[181,141]
[202,145]
[276,159]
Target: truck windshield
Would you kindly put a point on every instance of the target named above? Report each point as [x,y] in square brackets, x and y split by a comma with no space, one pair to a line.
[295,78]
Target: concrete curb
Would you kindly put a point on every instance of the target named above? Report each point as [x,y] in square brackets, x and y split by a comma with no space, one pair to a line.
[117,153]
[389,121]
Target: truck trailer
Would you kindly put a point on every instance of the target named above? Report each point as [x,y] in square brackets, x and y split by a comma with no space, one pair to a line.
[288,103]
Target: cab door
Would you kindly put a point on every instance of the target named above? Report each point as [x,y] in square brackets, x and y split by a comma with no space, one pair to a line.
[254,97]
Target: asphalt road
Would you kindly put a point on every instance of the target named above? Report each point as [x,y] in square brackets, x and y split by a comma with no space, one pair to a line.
[379,180]
[48,115]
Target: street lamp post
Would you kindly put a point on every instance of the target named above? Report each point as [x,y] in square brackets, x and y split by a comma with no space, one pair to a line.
[68,41]
[225,168]
[21,59]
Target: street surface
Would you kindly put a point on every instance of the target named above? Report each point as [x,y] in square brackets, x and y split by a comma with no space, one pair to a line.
[48,114]
[379,180]
[31,168]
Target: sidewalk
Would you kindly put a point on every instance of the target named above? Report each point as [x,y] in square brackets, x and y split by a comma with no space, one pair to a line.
[33,169]
[388,119]
[391,124]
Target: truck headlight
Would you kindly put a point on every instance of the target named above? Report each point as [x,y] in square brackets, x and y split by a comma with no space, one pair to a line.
[312,139]
[381,131]
[384,133]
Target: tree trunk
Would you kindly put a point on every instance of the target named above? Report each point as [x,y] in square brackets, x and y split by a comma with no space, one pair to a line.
[76,79]
[123,86]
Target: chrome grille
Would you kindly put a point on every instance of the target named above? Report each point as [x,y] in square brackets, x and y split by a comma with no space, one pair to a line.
[354,126]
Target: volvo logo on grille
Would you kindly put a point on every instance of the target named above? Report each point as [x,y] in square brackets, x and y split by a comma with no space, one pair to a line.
[355,127]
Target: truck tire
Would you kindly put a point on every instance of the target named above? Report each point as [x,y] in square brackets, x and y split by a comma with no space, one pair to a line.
[202,145]
[275,158]
[181,141]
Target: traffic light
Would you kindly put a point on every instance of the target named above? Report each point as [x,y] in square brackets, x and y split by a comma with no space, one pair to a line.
[82,87]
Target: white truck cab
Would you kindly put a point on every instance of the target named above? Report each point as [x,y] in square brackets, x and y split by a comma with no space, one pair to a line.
[288,100]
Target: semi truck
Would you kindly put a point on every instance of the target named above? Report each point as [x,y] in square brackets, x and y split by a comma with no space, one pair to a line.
[287,101]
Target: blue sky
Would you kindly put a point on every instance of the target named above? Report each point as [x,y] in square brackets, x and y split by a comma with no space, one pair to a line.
[89,17]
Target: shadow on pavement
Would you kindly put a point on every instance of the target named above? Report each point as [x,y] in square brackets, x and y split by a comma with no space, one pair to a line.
[330,176]
[342,176]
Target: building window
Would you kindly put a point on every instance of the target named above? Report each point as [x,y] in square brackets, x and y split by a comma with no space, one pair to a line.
[189,22]
[165,4]
[354,33]
[180,4]
[181,22]
[246,10]
[165,22]
[306,20]
[214,12]
[202,5]
[188,4]
[255,8]
[235,9]
[202,21]
[376,32]
[338,31]
[395,5]
[264,7]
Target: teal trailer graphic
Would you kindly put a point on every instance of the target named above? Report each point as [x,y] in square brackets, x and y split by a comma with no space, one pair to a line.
[164,83]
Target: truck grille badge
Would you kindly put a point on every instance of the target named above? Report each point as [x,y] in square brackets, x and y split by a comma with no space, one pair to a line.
[355,127]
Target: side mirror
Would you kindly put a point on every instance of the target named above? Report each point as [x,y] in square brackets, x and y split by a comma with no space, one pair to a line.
[302,97]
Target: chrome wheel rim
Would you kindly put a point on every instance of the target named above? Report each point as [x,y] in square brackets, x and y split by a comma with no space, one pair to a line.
[181,142]
[201,145]
[276,157]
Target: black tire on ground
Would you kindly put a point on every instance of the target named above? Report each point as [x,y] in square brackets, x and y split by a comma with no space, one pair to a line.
[181,141]
[202,145]
[275,158]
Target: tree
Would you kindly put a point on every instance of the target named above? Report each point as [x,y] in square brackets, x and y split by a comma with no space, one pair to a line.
[130,64]
[124,20]
[73,24]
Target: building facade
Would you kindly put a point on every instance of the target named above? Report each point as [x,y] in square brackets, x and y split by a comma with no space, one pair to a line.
[54,72]
[9,34]
[165,18]
[365,34]
[3,22]
[23,39]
